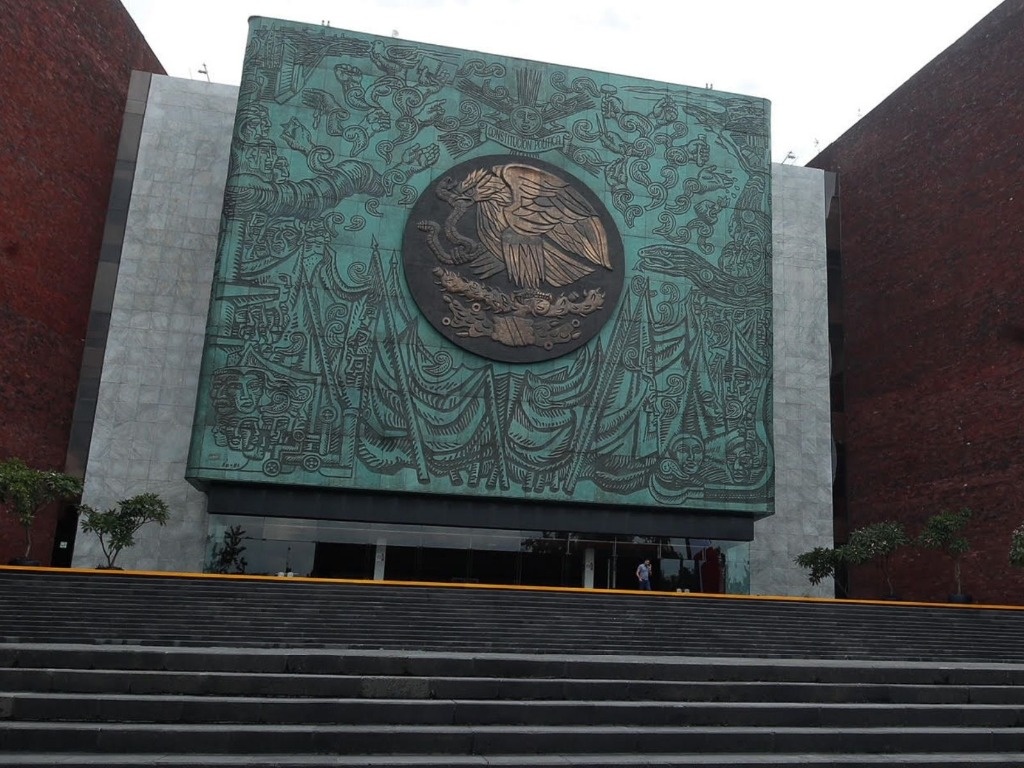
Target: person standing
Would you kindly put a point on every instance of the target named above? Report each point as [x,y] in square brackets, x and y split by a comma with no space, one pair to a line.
[643,574]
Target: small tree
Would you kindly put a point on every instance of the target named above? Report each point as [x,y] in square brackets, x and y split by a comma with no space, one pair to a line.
[116,527]
[820,562]
[1017,546]
[227,556]
[944,531]
[24,491]
[877,544]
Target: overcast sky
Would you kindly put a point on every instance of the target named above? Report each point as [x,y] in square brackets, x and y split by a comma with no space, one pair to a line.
[822,64]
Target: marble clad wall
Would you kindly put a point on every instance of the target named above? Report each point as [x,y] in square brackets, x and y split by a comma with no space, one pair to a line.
[154,347]
[802,421]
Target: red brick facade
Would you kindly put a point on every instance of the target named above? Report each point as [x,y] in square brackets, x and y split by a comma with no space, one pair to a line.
[65,69]
[933,308]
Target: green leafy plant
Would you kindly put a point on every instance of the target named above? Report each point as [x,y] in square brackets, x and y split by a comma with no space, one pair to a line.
[876,543]
[821,563]
[1017,546]
[944,531]
[24,491]
[227,556]
[116,527]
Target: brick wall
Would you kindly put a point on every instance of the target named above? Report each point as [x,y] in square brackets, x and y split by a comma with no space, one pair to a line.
[932,240]
[64,74]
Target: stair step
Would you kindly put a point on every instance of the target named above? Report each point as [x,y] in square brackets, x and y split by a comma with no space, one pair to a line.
[495,739]
[491,688]
[16,707]
[678,760]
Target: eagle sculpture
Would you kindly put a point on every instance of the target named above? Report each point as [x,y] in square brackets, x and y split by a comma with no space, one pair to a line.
[529,222]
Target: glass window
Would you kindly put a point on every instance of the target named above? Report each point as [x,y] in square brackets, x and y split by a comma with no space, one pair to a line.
[337,549]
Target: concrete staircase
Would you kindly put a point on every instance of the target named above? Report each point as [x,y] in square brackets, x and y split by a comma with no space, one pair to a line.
[104,607]
[124,670]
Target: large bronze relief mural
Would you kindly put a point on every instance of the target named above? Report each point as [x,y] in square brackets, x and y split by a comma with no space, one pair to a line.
[444,272]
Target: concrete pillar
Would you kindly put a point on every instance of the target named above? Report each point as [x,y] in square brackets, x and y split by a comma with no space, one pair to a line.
[379,559]
[588,568]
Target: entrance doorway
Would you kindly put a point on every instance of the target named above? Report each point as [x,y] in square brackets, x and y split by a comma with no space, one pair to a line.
[338,549]
[684,565]
[334,560]
[483,566]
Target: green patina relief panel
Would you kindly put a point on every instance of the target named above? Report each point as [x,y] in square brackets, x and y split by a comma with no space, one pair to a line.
[448,272]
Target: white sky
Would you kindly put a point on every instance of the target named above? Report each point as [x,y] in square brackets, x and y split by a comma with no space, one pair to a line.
[822,64]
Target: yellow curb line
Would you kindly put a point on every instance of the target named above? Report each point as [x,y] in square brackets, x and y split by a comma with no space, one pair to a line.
[508,588]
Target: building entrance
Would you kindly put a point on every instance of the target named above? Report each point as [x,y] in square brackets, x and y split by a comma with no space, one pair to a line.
[482,566]
[684,565]
[340,560]
[334,549]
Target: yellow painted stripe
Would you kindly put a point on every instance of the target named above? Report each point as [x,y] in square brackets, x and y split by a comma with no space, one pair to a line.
[509,588]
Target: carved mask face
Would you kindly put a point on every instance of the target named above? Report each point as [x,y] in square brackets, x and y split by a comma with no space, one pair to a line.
[254,125]
[691,455]
[261,160]
[742,459]
[238,391]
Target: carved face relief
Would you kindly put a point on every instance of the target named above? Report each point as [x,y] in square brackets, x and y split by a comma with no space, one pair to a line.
[691,455]
[262,160]
[238,392]
[513,259]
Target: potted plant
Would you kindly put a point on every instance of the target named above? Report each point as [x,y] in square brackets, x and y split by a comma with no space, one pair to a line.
[116,527]
[821,563]
[877,543]
[227,556]
[944,531]
[24,491]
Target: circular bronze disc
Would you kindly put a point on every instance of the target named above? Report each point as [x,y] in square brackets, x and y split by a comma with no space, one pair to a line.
[513,259]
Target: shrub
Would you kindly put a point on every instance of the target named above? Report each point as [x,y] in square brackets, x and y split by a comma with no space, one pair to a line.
[24,491]
[116,527]
[1017,546]
[820,562]
[944,531]
[877,544]
[227,556]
